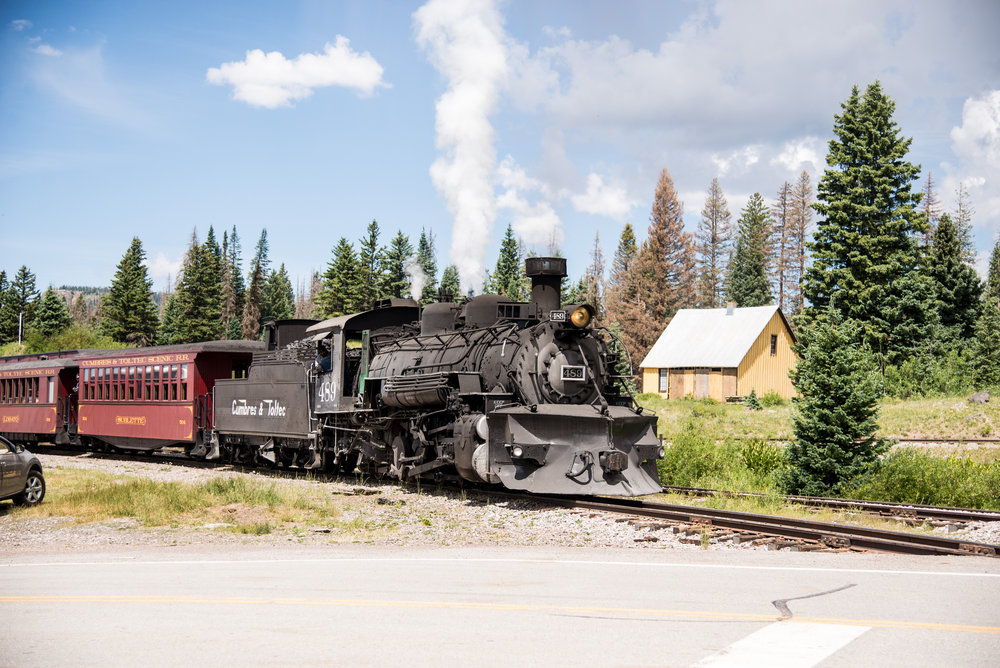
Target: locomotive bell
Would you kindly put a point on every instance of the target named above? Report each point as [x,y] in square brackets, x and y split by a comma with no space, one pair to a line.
[546,274]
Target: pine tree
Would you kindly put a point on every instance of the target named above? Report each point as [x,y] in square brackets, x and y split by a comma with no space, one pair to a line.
[168,333]
[277,299]
[395,280]
[930,207]
[992,288]
[714,241]
[450,282]
[783,244]
[836,412]
[340,282]
[663,272]
[507,276]
[747,284]
[128,312]
[986,347]
[622,309]
[865,248]
[22,298]
[257,275]
[199,297]
[593,279]
[52,315]
[964,211]
[233,288]
[8,319]
[369,268]
[956,283]
[800,222]
[81,313]
[428,264]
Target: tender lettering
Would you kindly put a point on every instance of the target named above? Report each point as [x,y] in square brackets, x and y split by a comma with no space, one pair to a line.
[267,408]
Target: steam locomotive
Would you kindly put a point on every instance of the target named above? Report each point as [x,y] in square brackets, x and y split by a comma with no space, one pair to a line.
[492,391]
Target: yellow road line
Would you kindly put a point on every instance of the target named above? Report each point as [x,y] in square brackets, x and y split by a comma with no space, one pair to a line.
[503,607]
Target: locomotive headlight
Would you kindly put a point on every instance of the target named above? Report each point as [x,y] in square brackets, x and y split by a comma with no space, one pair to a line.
[517,451]
[582,316]
[661,452]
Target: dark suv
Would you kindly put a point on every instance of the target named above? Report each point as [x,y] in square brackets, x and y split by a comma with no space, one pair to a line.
[20,475]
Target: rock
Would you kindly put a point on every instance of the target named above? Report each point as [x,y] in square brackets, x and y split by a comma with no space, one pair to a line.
[980,398]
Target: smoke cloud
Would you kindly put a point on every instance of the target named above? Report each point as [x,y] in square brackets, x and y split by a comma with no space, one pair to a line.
[465,42]
[418,279]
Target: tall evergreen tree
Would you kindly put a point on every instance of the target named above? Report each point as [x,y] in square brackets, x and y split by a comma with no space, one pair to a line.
[257,275]
[23,296]
[836,412]
[956,283]
[782,267]
[395,281]
[8,319]
[663,271]
[992,288]
[620,286]
[593,279]
[747,284]
[234,292]
[168,334]
[801,217]
[714,241]
[128,312]
[964,211]
[340,282]
[507,276]
[986,347]
[930,207]
[450,282]
[277,299]
[369,268]
[52,315]
[865,248]
[428,264]
[199,297]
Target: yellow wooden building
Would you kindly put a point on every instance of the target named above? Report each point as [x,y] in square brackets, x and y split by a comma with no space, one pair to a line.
[722,353]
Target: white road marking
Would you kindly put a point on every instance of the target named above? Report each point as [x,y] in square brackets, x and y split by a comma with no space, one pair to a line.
[476,560]
[785,644]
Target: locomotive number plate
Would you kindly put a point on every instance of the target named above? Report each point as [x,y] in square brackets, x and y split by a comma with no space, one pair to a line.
[573,372]
[557,316]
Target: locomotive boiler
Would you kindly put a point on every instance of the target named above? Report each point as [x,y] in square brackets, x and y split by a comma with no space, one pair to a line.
[493,391]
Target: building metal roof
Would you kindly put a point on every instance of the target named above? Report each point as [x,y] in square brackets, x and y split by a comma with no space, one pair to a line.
[708,337]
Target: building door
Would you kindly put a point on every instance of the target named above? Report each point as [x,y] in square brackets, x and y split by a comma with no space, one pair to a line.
[701,383]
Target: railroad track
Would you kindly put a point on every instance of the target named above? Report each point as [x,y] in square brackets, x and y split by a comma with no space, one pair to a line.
[899,511]
[804,533]
[725,524]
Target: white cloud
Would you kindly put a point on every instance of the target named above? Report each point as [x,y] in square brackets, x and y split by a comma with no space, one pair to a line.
[20,25]
[603,200]
[47,50]
[976,145]
[738,161]
[562,32]
[466,43]
[162,269]
[534,221]
[270,80]
[796,155]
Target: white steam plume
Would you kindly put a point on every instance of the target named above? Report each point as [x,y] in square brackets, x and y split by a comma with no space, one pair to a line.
[418,279]
[465,42]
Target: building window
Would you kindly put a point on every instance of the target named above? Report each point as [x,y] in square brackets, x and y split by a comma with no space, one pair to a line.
[774,344]
[663,380]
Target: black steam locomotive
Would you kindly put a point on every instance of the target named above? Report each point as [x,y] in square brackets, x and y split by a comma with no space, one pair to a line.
[495,391]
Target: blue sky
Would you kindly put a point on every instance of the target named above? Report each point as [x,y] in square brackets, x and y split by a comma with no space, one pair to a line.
[121,119]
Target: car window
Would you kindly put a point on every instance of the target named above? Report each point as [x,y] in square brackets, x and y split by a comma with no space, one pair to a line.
[5,448]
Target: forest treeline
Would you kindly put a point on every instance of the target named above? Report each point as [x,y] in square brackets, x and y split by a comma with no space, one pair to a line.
[882,255]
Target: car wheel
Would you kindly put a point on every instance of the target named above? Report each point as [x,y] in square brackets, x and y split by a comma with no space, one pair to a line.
[34,490]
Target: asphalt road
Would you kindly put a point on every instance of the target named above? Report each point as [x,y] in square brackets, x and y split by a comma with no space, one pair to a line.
[368,606]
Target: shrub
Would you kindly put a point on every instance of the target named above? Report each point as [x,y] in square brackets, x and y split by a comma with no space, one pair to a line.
[771,399]
[752,402]
[911,476]
[761,457]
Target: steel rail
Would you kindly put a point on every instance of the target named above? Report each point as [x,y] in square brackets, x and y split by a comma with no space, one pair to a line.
[877,507]
[825,533]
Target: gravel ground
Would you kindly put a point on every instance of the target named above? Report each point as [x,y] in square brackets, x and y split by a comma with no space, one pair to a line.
[383,514]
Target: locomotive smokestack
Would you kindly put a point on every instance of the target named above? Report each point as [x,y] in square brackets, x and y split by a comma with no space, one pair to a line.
[546,274]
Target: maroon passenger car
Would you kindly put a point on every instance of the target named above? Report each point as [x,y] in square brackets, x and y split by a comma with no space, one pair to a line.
[148,398]
[37,400]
